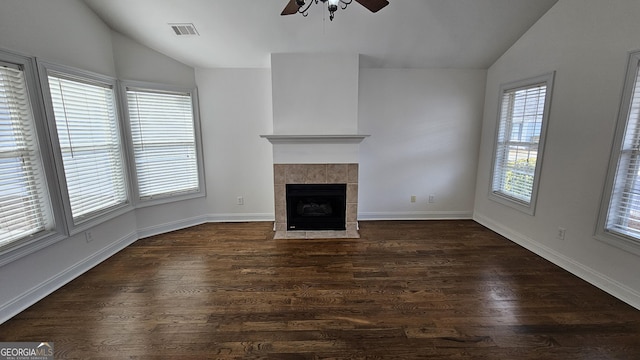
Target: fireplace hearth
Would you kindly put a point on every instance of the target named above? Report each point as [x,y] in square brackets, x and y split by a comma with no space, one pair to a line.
[316,206]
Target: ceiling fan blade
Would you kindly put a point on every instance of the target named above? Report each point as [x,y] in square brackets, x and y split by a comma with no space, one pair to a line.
[291,8]
[373,5]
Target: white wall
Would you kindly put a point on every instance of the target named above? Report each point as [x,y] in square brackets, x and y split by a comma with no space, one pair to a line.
[137,62]
[425,128]
[62,31]
[315,93]
[235,109]
[587,43]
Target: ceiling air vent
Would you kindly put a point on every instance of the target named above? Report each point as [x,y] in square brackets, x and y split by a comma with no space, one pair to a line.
[184,29]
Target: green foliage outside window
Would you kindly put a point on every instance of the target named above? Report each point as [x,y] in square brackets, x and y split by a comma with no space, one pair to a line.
[519,177]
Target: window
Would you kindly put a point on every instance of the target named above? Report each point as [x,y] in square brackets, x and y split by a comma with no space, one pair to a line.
[162,125]
[619,221]
[24,201]
[524,109]
[26,211]
[83,111]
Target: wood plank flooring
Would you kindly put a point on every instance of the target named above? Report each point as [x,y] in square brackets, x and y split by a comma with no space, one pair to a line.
[404,290]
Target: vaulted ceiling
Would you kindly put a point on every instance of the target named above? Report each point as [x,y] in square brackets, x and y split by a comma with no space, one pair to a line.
[405,34]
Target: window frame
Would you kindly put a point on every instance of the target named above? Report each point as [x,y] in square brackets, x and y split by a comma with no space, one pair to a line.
[622,241]
[31,243]
[74,227]
[171,197]
[505,199]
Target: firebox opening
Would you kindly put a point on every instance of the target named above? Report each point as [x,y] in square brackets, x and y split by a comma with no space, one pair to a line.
[316,206]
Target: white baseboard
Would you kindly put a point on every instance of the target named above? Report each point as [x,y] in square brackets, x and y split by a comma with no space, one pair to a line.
[171,226]
[416,215]
[595,278]
[210,218]
[40,291]
[255,217]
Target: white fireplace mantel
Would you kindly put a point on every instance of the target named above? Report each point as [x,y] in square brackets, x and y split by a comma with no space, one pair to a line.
[315,139]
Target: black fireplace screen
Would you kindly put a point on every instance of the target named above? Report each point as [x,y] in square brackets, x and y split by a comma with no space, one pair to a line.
[316,206]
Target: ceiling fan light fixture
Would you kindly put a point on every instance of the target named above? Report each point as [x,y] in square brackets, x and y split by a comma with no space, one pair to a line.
[332,7]
[302,6]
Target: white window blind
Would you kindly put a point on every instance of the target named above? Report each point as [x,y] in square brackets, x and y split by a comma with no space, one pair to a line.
[521,119]
[89,139]
[164,142]
[24,200]
[624,207]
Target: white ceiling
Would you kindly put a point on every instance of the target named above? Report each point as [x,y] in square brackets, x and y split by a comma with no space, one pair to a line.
[405,34]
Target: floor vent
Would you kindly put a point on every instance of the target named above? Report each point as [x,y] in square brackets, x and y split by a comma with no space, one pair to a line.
[184,29]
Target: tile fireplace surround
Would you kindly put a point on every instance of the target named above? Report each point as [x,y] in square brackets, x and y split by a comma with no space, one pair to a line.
[315,174]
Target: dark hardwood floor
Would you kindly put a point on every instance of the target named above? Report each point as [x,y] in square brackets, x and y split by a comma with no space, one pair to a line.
[405,290]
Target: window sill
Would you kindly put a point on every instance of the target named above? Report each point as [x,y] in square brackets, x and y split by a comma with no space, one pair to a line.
[24,247]
[528,209]
[619,242]
[141,203]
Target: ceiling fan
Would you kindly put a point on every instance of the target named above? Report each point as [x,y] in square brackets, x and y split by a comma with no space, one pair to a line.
[300,6]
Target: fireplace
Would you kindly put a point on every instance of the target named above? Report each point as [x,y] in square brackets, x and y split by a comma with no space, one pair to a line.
[331,207]
[316,206]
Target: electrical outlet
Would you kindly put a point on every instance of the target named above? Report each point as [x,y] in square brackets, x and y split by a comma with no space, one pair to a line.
[561,233]
[240,200]
[413,198]
[88,236]
[432,199]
